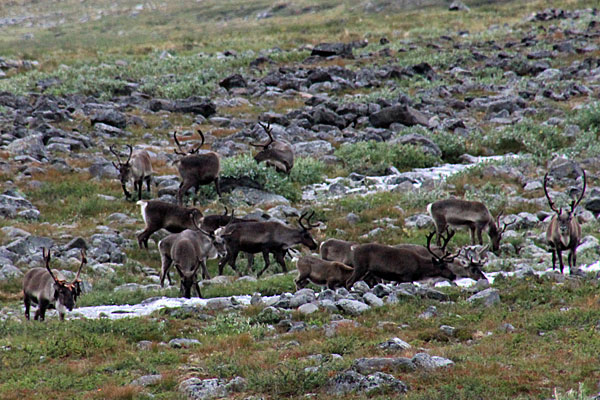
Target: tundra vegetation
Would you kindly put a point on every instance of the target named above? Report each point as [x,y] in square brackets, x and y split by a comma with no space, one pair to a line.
[79,77]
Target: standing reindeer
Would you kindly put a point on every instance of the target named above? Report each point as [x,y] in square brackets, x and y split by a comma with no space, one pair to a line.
[138,168]
[276,153]
[49,289]
[196,169]
[473,214]
[160,214]
[400,264]
[266,237]
[564,232]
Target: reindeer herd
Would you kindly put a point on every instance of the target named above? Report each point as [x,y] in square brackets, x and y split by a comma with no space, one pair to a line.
[195,238]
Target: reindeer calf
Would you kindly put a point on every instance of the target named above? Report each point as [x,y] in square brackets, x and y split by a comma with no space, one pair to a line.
[333,274]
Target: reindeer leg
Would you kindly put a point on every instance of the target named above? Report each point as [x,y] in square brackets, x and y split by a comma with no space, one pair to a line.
[250,258]
[62,316]
[27,302]
[127,194]
[472,229]
[301,281]
[197,287]
[140,183]
[479,238]
[439,227]
[41,311]
[232,261]
[560,260]
[266,258]
[143,238]
[205,274]
[164,271]
[183,188]
[148,182]
[553,259]
[280,258]
[218,187]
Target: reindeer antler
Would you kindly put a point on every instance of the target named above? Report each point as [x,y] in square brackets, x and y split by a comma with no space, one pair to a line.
[194,151]
[46,254]
[550,203]
[181,152]
[267,128]
[83,262]
[304,216]
[112,150]
[445,240]
[574,204]
[130,153]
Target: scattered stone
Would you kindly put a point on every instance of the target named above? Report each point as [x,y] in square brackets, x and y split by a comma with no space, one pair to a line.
[427,362]
[181,343]
[147,380]
[369,365]
[487,297]
[394,344]
[352,307]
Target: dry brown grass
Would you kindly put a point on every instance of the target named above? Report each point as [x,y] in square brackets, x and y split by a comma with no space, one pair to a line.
[114,392]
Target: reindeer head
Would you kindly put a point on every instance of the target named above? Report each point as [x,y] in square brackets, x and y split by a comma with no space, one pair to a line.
[564,218]
[193,150]
[124,168]
[65,293]
[472,262]
[441,263]
[305,236]
[496,236]
[267,152]
[188,279]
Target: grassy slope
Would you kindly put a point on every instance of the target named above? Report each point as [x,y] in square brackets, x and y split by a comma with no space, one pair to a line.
[555,341]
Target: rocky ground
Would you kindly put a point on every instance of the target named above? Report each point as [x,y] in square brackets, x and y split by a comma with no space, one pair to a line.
[380,126]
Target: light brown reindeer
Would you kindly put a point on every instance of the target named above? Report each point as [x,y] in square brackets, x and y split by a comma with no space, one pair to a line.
[455,212]
[276,153]
[564,231]
[137,167]
[49,289]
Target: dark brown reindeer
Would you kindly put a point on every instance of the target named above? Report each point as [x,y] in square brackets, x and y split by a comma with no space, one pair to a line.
[564,231]
[137,168]
[265,237]
[466,265]
[196,169]
[49,289]
[337,250]
[473,214]
[276,153]
[400,265]
[160,214]
[332,274]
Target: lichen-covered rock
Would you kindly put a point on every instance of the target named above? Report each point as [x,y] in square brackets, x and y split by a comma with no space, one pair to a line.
[427,362]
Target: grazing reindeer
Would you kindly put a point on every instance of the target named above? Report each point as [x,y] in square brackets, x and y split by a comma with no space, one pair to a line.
[49,289]
[196,169]
[138,168]
[474,214]
[333,274]
[160,214]
[400,265]
[564,232]
[266,237]
[207,246]
[276,153]
[464,266]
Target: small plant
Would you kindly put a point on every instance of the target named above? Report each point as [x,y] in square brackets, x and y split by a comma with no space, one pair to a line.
[307,170]
[588,118]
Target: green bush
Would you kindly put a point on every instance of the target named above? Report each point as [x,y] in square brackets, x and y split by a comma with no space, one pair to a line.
[526,137]
[588,118]
[374,158]
[307,170]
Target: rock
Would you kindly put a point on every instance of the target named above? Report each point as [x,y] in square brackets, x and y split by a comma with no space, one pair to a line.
[448,330]
[561,168]
[31,146]
[352,307]
[488,297]
[332,49]
[9,271]
[419,221]
[533,185]
[360,287]
[372,300]
[315,148]
[219,303]
[233,81]
[302,296]
[430,312]
[332,327]
[308,308]
[110,117]
[201,389]
[458,6]
[401,113]
[270,315]
[507,328]
[255,197]
[147,380]
[132,287]
[29,245]
[76,243]
[30,215]
[373,364]
[394,344]
[427,362]
[179,343]
[352,381]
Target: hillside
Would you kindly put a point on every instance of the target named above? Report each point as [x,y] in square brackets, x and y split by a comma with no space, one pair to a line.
[388,106]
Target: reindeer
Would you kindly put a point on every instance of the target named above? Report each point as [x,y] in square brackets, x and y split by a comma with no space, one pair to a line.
[266,237]
[467,265]
[276,153]
[207,246]
[138,168]
[49,289]
[160,214]
[474,214]
[196,169]
[337,250]
[333,274]
[400,265]
[564,231]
